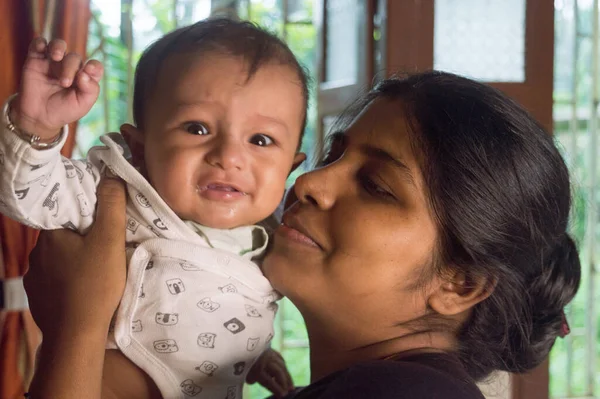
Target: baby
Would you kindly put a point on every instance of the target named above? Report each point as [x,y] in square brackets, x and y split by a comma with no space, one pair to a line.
[219,110]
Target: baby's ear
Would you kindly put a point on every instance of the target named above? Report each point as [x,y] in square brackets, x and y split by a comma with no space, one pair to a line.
[298,159]
[135,141]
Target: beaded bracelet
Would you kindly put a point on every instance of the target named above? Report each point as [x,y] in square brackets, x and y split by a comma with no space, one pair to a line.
[32,139]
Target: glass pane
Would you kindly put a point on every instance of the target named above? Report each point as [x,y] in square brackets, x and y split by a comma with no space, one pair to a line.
[189,11]
[266,13]
[298,362]
[223,8]
[575,361]
[293,329]
[560,368]
[302,39]
[341,40]
[481,39]
[299,11]
[379,41]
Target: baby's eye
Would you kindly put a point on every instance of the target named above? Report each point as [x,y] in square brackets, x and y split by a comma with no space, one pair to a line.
[261,140]
[196,128]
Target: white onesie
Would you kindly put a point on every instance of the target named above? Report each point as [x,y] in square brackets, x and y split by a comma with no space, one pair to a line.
[196,311]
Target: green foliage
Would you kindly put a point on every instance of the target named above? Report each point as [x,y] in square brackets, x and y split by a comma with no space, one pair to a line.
[163,12]
[292,341]
[111,109]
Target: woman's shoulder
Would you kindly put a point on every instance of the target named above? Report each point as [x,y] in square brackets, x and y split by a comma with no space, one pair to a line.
[420,376]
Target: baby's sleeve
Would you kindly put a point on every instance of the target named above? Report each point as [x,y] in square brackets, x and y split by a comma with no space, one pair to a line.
[43,189]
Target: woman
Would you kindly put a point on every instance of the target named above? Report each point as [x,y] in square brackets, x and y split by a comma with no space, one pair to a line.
[429,250]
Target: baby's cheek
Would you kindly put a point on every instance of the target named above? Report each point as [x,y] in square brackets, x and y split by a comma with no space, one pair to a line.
[172,180]
[272,188]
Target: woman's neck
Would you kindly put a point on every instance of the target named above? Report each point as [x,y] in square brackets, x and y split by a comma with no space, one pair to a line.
[331,351]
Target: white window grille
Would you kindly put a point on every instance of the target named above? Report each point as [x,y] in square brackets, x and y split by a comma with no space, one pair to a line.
[574,361]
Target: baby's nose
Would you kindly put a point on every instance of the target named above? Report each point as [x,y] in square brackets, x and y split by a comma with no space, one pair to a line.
[227,154]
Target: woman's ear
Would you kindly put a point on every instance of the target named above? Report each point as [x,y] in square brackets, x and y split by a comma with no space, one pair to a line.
[135,141]
[459,292]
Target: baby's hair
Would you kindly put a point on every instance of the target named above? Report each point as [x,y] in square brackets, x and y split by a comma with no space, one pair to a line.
[221,35]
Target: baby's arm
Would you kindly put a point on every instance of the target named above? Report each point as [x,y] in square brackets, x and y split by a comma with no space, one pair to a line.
[38,186]
[270,371]
[42,189]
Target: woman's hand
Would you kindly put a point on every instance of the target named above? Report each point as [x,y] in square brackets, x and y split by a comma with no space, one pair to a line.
[78,281]
[74,285]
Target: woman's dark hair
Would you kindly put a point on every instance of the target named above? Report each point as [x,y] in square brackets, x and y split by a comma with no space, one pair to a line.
[226,36]
[500,193]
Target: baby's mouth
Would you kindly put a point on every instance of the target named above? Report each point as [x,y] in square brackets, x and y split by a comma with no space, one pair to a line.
[220,192]
[220,187]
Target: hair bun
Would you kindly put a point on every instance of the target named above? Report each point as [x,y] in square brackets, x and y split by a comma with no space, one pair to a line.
[547,296]
[559,280]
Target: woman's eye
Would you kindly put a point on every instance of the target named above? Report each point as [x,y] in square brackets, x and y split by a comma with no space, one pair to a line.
[196,128]
[374,189]
[261,140]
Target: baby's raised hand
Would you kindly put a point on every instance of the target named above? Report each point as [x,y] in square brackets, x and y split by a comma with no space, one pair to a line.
[56,88]
[271,372]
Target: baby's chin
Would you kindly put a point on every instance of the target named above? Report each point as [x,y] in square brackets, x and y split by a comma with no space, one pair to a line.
[245,211]
[224,218]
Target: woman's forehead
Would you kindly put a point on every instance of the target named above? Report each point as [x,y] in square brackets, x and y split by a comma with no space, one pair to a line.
[383,124]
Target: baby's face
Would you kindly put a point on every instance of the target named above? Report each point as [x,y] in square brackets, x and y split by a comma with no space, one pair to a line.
[217,146]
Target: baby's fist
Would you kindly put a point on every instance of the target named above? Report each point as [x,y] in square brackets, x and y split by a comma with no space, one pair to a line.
[56,89]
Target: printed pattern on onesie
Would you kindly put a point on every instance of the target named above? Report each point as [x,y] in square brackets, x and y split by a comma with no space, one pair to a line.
[193,317]
[206,328]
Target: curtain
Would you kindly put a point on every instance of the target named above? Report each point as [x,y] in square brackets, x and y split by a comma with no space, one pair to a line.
[20,22]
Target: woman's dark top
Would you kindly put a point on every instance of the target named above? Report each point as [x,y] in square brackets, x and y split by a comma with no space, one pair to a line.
[419,376]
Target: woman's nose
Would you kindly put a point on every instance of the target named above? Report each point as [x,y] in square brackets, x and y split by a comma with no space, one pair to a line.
[316,188]
[226,154]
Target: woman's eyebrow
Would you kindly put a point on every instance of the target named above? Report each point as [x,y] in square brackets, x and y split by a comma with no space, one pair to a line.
[382,155]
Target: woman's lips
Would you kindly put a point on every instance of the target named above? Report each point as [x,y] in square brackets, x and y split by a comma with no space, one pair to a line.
[295,232]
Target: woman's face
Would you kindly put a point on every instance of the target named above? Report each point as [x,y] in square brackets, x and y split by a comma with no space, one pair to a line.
[359,237]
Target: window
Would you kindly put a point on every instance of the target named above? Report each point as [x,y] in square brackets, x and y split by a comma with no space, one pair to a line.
[484,40]
[574,360]
[121,29]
